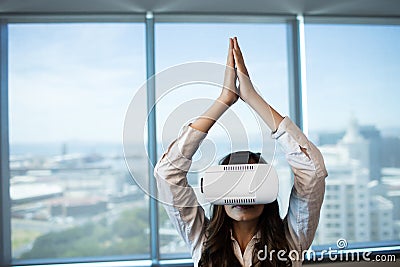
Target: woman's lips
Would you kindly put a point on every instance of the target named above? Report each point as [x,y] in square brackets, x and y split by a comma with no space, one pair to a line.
[242,207]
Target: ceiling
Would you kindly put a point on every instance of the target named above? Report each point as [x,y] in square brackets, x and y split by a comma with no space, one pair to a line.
[357,8]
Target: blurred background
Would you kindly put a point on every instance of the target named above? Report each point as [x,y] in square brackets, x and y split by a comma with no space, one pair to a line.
[69,70]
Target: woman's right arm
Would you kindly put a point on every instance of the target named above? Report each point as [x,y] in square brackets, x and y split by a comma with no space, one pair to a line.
[175,193]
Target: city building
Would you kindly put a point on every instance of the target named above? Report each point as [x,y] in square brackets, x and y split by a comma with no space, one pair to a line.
[351,210]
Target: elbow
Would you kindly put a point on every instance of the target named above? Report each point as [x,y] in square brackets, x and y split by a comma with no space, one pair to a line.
[320,170]
[320,167]
[159,167]
[319,163]
[324,172]
[157,170]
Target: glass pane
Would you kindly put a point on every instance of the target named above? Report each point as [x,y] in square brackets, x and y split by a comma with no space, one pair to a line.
[71,192]
[353,107]
[179,45]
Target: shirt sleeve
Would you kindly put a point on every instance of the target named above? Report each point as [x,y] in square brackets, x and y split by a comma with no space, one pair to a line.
[177,196]
[308,190]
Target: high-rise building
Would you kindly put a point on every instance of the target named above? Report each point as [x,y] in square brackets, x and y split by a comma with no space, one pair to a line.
[345,212]
[349,209]
[381,218]
[390,152]
[375,144]
[373,135]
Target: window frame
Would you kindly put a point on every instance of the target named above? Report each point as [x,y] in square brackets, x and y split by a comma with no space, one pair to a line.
[297,110]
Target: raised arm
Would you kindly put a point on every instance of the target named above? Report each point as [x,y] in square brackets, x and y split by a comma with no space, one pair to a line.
[302,155]
[249,95]
[174,191]
[228,96]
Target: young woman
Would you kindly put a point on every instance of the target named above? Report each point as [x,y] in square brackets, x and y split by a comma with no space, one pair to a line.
[239,235]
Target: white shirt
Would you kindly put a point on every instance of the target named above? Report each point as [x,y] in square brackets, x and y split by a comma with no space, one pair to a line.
[188,216]
[246,258]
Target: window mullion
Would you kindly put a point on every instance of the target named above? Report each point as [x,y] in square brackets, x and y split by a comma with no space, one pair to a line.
[5,218]
[297,72]
[152,142]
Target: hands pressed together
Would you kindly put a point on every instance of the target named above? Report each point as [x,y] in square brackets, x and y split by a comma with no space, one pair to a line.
[236,70]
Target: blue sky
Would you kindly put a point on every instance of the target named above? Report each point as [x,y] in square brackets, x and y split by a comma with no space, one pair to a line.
[353,70]
[74,82]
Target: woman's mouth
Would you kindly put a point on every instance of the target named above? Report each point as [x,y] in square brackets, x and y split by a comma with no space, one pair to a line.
[242,207]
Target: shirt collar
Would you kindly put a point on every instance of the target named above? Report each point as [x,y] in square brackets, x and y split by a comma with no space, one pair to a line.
[257,236]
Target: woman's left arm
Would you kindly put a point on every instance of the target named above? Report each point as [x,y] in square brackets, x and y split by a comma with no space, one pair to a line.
[302,155]
[308,191]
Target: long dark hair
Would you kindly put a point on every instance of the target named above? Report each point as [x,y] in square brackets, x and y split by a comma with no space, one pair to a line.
[218,249]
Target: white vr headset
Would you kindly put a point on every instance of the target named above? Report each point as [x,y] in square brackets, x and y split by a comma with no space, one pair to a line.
[240,184]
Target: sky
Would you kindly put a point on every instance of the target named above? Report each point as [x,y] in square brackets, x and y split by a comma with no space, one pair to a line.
[75,82]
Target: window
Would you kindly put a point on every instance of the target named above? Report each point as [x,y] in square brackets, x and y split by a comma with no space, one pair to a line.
[69,89]
[71,192]
[353,81]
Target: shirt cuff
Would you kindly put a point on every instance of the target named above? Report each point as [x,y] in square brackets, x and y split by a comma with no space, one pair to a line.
[282,127]
[189,141]
[290,136]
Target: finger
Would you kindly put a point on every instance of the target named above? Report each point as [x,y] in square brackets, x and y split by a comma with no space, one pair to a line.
[235,56]
[237,47]
[231,52]
[230,61]
[239,62]
[235,43]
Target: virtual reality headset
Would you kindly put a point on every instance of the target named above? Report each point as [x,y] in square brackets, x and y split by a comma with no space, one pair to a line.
[240,184]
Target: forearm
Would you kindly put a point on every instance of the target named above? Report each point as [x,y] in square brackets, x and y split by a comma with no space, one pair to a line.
[210,116]
[269,115]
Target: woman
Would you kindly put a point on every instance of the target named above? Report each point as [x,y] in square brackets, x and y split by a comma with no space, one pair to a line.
[239,235]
